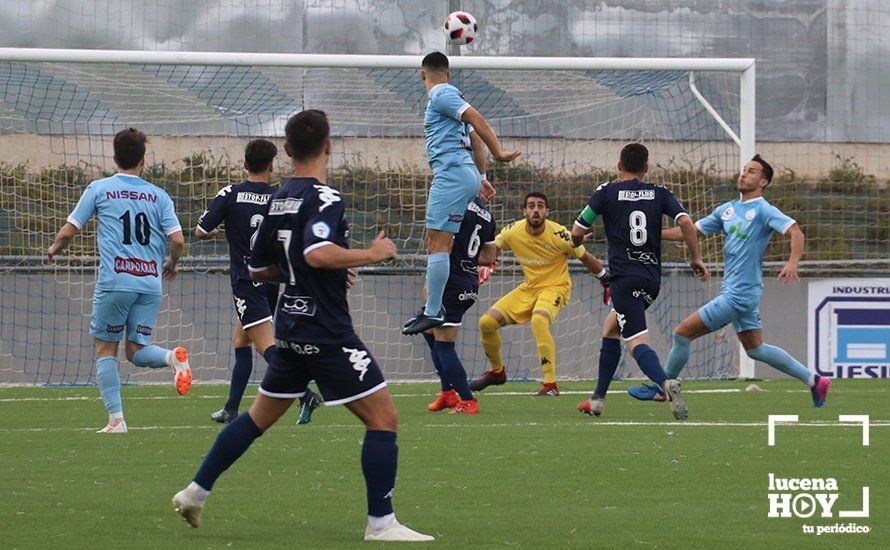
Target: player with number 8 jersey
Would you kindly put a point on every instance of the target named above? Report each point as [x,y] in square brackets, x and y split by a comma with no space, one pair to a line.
[632,211]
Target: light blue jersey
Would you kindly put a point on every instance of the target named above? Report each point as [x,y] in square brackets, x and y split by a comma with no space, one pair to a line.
[748,226]
[447,137]
[135,219]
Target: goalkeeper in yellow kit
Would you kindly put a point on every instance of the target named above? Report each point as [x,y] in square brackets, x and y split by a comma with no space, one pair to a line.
[542,248]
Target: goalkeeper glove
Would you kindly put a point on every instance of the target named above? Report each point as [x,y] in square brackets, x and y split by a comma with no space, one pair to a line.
[485,272]
[603,278]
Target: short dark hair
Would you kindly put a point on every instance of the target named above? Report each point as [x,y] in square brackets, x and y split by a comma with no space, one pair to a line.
[534,195]
[306,133]
[436,61]
[634,157]
[259,154]
[765,167]
[129,148]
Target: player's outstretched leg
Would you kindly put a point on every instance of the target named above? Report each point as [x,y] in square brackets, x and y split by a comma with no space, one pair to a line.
[380,456]
[455,375]
[308,403]
[610,356]
[489,327]
[448,398]
[240,377]
[540,323]
[155,357]
[232,442]
[647,359]
[678,406]
[780,360]
[110,388]
[676,361]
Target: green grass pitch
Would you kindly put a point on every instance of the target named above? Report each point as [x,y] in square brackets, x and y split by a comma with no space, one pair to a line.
[528,472]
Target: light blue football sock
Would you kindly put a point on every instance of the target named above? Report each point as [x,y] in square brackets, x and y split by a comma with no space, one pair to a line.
[779,359]
[437,269]
[678,356]
[109,384]
[153,357]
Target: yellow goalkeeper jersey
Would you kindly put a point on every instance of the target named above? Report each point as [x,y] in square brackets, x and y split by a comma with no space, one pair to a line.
[544,258]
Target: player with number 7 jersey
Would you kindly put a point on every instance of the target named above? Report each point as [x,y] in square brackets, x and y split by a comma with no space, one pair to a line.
[241,208]
[632,211]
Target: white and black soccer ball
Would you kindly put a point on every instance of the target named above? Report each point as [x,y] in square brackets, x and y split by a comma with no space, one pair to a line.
[460,28]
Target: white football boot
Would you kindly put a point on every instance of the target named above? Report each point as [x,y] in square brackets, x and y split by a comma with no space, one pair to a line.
[114,427]
[188,506]
[395,532]
[678,407]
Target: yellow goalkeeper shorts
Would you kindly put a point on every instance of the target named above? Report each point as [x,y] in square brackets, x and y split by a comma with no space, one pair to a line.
[519,303]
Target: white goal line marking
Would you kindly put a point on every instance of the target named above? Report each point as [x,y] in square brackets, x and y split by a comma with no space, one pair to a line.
[400,395]
[592,423]
[157,397]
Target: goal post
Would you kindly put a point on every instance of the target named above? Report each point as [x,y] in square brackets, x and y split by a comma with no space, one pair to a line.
[568,115]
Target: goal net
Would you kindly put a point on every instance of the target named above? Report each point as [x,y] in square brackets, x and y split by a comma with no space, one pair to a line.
[569,118]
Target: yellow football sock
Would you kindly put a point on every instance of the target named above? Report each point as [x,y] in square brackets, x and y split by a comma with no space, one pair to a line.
[546,346]
[491,341]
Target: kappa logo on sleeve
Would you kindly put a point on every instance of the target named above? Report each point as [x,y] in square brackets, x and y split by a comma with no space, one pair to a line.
[327,196]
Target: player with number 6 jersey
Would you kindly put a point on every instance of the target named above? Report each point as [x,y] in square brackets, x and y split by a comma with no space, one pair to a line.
[241,208]
[136,220]
[632,212]
[473,247]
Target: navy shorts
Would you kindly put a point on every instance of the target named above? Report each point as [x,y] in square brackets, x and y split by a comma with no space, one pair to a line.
[457,301]
[631,297]
[255,302]
[345,371]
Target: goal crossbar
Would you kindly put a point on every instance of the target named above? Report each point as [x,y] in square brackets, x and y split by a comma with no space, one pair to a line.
[373,61]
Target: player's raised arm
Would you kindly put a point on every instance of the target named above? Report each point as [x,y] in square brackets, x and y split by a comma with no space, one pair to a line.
[485,132]
[480,159]
[208,223]
[690,235]
[85,209]
[789,271]
[336,257]
[584,222]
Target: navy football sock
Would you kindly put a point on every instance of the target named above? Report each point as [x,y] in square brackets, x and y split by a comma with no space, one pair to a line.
[648,361]
[380,460]
[231,443]
[437,362]
[240,376]
[453,370]
[610,355]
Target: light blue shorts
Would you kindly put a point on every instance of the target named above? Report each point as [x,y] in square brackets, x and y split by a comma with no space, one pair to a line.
[114,312]
[451,191]
[722,311]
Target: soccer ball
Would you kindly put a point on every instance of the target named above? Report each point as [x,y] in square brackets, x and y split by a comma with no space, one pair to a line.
[460,28]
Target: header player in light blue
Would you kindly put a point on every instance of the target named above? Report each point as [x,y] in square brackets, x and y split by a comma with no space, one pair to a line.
[447,125]
[136,219]
[748,225]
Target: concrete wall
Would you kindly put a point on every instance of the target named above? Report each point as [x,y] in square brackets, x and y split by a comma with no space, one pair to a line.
[45,319]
